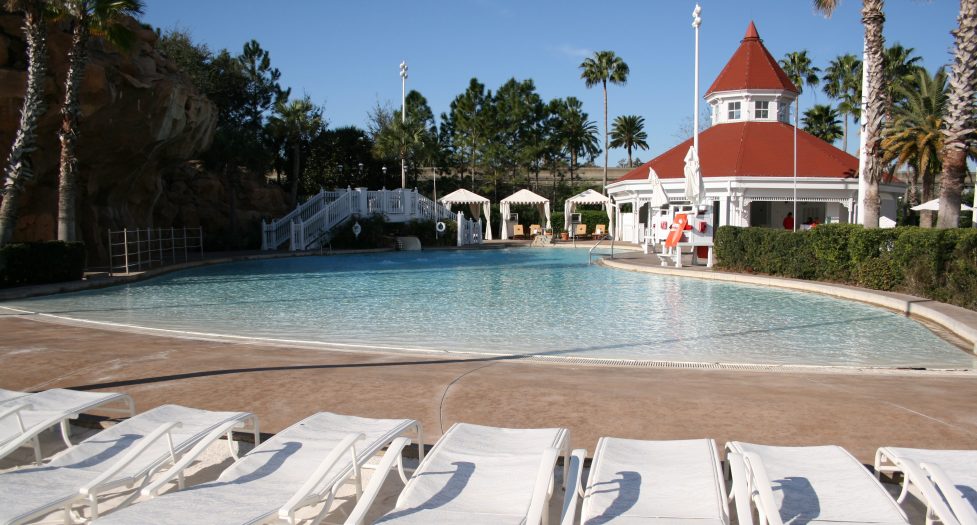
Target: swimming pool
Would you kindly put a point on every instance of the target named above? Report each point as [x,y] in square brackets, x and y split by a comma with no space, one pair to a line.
[511,301]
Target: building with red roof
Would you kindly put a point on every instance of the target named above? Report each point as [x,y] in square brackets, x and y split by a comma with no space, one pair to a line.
[746,157]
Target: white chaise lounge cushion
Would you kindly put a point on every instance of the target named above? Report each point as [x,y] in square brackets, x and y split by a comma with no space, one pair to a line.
[476,475]
[635,481]
[49,407]
[26,492]
[256,486]
[823,484]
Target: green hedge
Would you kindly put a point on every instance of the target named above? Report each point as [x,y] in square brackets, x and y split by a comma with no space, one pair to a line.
[590,217]
[41,262]
[375,232]
[937,264]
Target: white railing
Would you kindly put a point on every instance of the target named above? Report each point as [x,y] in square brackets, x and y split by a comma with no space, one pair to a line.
[469,231]
[303,227]
[279,231]
[139,249]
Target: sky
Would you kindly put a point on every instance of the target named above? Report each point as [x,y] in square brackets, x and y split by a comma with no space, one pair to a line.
[346,55]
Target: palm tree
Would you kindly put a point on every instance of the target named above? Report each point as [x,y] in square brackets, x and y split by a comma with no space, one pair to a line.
[821,120]
[19,168]
[899,66]
[629,133]
[604,66]
[408,140]
[873,110]
[843,82]
[296,122]
[102,19]
[959,117]
[576,135]
[914,136]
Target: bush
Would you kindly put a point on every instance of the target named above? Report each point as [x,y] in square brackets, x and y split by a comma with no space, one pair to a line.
[931,263]
[41,262]
[376,232]
[590,217]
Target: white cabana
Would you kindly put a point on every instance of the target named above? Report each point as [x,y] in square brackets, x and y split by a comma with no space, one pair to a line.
[523,197]
[934,205]
[587,197]
[475,203]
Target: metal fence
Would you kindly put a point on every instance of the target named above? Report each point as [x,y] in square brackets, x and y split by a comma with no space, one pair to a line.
[140,249]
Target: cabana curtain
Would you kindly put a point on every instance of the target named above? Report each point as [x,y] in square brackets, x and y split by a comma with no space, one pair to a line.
[523,197]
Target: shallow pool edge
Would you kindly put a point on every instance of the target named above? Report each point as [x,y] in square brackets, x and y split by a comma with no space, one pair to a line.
[960,321]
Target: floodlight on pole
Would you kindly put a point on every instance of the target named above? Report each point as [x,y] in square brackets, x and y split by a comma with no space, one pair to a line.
[403,119]
[696,22]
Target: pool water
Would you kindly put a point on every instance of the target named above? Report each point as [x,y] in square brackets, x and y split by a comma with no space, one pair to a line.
[512,301]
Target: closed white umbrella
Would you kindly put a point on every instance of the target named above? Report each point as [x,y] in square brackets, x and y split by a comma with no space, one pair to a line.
[934,205]
[658,196]
[694,185]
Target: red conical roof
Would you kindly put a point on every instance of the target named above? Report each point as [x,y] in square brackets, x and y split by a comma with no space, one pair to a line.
[752,67]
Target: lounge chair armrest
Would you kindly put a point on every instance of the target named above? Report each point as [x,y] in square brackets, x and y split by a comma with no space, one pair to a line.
[130,456]
[177,469]
[574,484]
[541,490]
[380,474]
[762,487]
[963,511]
[741,488]
[14,411]
[298,500]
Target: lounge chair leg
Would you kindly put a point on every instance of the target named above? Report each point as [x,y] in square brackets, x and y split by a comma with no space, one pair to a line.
[66,432]
[36,441]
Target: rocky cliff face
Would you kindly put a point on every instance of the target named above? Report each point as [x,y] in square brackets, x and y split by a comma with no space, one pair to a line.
[141,123]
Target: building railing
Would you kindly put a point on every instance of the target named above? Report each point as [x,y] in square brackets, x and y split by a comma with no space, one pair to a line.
[143,248]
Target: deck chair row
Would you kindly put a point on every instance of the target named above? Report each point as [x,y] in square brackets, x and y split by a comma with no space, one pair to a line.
[473,474]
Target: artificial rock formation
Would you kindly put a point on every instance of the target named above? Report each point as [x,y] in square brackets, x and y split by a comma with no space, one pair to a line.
[141,122]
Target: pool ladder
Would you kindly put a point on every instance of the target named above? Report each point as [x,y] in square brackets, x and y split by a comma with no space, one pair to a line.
[590,254]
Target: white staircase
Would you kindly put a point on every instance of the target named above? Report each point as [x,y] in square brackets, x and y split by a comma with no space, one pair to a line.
[308,225]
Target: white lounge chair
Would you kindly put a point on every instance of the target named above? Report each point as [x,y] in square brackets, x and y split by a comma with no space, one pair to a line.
[123,455]
[301,466]
[22,418]
[9,395]
[475,475]
[946,480]
[634,481]
[810,485]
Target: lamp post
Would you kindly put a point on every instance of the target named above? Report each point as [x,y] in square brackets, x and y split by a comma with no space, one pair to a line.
[403,118]
[696,22]
[384,170]
[361,173]
[339,167]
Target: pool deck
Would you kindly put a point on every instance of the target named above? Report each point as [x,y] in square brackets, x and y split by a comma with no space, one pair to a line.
[282,384]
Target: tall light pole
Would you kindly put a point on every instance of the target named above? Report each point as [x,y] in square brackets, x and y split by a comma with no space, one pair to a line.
[696,22]
[403,120]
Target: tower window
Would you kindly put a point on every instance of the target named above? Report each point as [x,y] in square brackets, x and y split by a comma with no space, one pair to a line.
[734,111]
[762,109]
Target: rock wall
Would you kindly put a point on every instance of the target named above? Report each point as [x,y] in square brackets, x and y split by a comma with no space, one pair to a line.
[141,123]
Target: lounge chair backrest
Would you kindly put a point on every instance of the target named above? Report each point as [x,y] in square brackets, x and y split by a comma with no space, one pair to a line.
[681,479]
[517,230]
[535,229]
[826,480]
[580,230]
[600,229]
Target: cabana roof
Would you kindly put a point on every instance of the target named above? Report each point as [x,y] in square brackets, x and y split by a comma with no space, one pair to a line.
[525,196]
[463,196]
[589,197]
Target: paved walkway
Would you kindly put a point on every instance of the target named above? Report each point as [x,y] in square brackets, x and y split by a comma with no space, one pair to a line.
[280,384]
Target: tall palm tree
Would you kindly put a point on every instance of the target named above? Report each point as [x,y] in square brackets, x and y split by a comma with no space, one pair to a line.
[629,133]
[821,120]
[899,65]
[602,68]
[843,82]
[576,135]
[19,168]
[296,122]
[89,18]
[959,116]
[873,110]
[914,136]
[409,140]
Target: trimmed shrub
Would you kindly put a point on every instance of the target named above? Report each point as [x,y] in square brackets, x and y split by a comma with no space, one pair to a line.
[41,262]
[931,263]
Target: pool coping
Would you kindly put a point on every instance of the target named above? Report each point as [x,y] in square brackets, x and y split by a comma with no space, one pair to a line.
[960,321]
